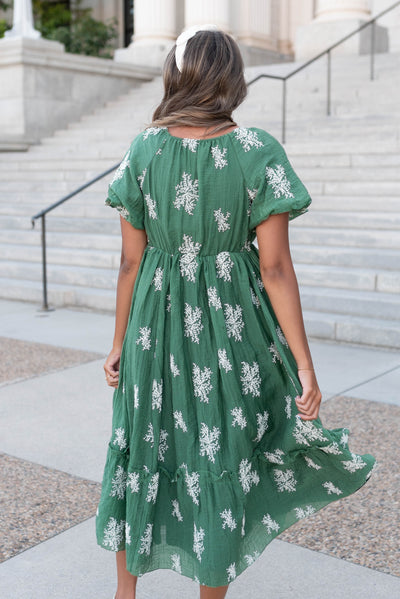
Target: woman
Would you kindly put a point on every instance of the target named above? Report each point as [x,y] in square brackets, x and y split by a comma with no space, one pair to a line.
[216,442]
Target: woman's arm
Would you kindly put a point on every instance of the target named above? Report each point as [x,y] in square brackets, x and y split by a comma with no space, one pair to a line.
[133,244]
[280,283]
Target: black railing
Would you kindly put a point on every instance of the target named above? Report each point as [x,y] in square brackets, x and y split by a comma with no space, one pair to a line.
[284,79]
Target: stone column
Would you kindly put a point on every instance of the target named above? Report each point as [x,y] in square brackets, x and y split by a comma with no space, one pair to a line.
[334,20]
[208,11]
[155,33]
[23,21]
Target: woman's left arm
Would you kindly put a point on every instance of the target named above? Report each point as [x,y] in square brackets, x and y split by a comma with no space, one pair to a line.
[134,242]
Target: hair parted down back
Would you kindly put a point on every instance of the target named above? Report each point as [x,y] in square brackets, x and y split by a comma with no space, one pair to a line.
[209,88]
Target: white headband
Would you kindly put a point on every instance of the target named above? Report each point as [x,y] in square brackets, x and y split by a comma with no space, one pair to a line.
[185,37]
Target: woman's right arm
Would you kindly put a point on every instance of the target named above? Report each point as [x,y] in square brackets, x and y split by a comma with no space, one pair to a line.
[134,242]
[280,283]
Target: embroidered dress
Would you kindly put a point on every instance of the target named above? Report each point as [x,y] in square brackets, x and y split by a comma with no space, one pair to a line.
[207,460]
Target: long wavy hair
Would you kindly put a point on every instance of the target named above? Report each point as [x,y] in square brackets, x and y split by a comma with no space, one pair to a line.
[209,88]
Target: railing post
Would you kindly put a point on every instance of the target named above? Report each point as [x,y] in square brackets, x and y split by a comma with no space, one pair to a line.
[284,111]
[329,77]
[372,75]
[45,305]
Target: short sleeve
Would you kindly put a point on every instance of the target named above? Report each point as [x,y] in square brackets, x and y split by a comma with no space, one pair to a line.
[125,194]
[278,188]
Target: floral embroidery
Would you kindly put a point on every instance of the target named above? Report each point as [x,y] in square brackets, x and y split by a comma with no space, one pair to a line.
[354,464]
[209,441]
[262,425]
[128,539]
[176,563]
[120,439]
[279,182]
[188,263]
[119,173]
[141,178]
[114,534]
[288,406]
[176,512]
[152,131]
[251,194]
[213,298]
[248,139]
[174,368]
[276,356]
[303,513]
[330,487]
[285,480]
[191,144]
[179,421]
[275,456]
[135,396]
[187,193]
[281,336]
[247,476]
[311,463]
[158,278]
[156,395]
[133,482]
[146,540]
[198,541]
[151,206]
[149,436]
[118,483]
[234,321]
[153,488]
[332,448]
[219,157]
[192,322]
[254,298]
[202,383]
[270,524]
[144,338]
[306,431]
[231,572]
[238,418]
[228,520]
[162,445]
[251,379]
[224,265]
[192,484]
[222,220]
[223,360]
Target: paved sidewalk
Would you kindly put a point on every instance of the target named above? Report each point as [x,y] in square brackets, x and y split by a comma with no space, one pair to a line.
[46,419]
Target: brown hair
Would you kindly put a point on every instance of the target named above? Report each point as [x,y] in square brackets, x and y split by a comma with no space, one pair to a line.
[210,86]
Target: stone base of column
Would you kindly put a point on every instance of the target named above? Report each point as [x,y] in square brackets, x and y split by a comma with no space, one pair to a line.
[145,54]
[319,35]
[252,55]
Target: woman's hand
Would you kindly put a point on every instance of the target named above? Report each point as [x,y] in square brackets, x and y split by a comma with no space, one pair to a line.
[111,368]
[308,404]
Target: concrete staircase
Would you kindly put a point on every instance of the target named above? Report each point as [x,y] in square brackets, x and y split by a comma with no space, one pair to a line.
[346,249]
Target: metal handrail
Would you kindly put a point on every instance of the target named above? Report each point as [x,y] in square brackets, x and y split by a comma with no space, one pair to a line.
[284,78]
[42,216]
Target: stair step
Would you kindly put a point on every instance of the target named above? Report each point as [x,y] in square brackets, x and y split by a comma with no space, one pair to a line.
[345,237]
[379,258]
[352,220]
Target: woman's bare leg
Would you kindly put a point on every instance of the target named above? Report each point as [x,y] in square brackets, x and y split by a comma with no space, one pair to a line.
[212,592]
[126,586]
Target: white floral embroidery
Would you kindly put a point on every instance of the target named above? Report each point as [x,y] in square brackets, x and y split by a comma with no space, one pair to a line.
[213,298]
[168,307]
[174,368]
[132,482]
[247,476]
[156,395]
[188,262]
[228,520]
[231,572]
[176,512]
[121,169]
[146,540]
[305,431]
[190,143]
[153,488]
[135,396]
[238,418]
[152,131]
[262,425]
[303,513]
[251,558]
[248,139]
[281,336]
[144,338]
[222,220]
[344,439]
[354,464]
[176,563]
[192,322]
[311,463]
[288,406]
[332,448]
[251,194]
[158,278]
[285,480]
[233,321]
[141,178]
[219,157]
[246,246]
[192,484]
[223,360]
[202,383]
[330,487]
[373,469]
[118,483]
[162,445]
[251,379]
[270,524]
[114,534]
[209,441]
[279,182]
[198,541]
[149,436]
[224,265]
[120,439]
[121,209]
[179,421]
[151,206]
[128,539]
[187,193]
[276,356]
[275,456]
[254,298]
[260,284]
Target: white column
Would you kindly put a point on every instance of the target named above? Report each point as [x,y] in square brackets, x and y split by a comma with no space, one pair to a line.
[23,21]
[155,33]
[333,10]
[207,11]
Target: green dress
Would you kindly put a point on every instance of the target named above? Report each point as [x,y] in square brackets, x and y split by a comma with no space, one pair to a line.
[208,461]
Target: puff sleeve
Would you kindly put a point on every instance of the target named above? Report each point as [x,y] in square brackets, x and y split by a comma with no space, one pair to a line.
[278,188]
[125,194]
